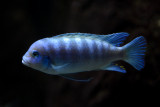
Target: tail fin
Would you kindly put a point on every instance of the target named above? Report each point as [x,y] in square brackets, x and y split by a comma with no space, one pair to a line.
[135,52]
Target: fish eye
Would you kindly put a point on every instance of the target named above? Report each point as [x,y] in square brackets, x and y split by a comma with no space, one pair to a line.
[35,53]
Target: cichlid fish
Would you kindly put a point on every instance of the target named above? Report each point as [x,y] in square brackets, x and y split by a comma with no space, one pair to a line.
[78,52]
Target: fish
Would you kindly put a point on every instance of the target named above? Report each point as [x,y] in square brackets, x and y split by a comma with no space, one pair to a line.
[72,53]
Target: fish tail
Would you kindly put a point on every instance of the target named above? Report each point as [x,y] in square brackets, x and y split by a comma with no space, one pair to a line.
[135,52]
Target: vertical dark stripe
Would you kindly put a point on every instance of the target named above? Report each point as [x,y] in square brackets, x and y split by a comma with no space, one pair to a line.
[56,49]
[95,47]
[79,47]
[66,41]
[103,51]
[74,50]
[85,53]
[62,50]
[50,49]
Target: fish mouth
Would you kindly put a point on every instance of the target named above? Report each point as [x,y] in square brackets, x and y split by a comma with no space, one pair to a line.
[25,62]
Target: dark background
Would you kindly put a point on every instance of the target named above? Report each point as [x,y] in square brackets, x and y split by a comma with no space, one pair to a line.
[25,21]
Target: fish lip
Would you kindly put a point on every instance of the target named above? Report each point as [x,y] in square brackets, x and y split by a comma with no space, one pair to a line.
[25,62]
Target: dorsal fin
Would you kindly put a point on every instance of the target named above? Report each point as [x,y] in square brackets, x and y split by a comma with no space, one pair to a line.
[77,35]
[115,39]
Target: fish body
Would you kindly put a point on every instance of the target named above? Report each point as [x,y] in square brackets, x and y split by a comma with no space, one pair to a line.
[79,52]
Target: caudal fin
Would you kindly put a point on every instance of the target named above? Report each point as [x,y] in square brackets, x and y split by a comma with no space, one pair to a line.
[135,52]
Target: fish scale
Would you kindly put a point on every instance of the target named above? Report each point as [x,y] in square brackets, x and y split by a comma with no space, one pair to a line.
[81,49]
[76,50]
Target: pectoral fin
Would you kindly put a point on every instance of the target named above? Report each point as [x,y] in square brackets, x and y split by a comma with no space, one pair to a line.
[56,67]
[74,79]
[64,67]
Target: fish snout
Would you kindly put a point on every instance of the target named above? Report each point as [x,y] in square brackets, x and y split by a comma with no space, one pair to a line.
[25,61]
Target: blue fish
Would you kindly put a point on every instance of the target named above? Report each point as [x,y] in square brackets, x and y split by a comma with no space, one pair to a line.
[78,52]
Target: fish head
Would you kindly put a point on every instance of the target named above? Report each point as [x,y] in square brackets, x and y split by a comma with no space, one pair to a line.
[36,57]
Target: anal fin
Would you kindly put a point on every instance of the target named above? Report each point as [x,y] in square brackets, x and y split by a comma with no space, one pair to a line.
[116,67]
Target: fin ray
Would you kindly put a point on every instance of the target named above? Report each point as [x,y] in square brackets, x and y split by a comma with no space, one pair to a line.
[135,52]
[117,39]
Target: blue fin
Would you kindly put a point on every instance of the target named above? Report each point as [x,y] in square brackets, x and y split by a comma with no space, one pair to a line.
[117,68]
[135,52]
[115,39]
[56,67]
[74,79]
